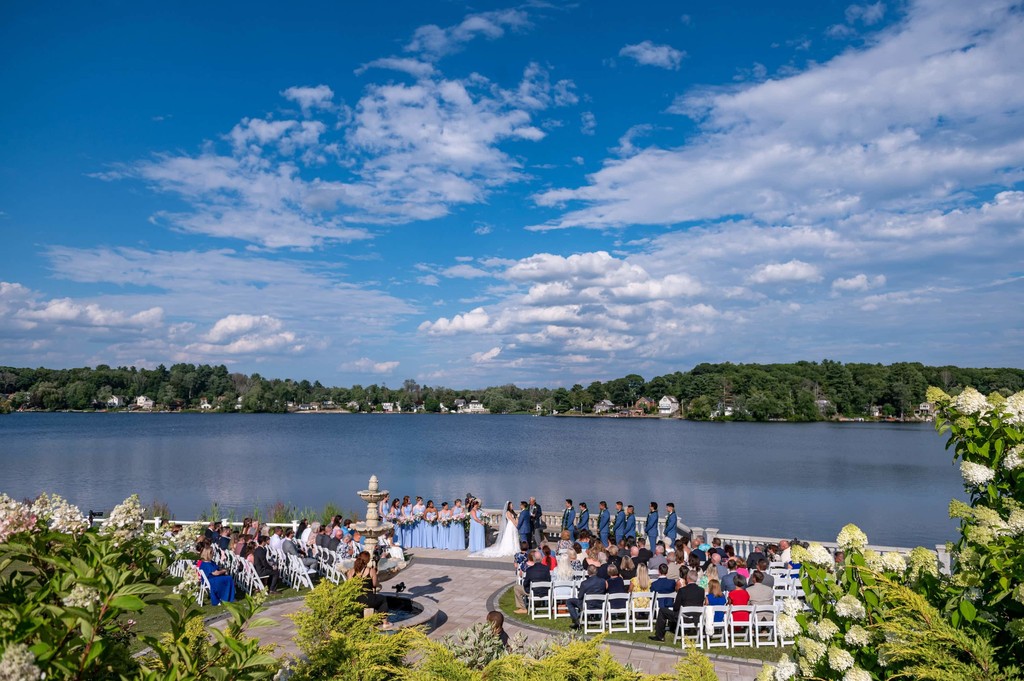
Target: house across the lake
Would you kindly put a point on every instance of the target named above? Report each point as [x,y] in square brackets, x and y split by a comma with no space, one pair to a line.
[668,405]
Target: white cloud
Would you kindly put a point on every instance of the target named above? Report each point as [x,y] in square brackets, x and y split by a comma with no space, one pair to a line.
[588,123]
[473,320]
[650,54]
[792,271]
[483,230]
[310,97]
[238,324]
[69,312]
[366,365]
[487,356]
[414,67]
[464,271]
[434,42]
[860,282]
[429,280]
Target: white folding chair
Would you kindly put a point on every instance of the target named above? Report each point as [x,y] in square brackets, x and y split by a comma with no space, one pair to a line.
[540,604]
[641,617]
[617,612]
[741,630]
[250,579]
[578,576]
[204,586]
[716,629]
[765,626]
[560,593]
[690,626]
[593,613]
[179,567]
[300,573]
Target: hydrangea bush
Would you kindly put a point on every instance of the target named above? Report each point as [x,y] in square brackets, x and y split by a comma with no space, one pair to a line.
[879,616]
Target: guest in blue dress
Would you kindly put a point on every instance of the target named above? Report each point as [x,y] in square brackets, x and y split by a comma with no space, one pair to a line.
[458,538]
[477,536]
[222,585]
[444,529]
[430,526]
[406,526]
[419,527]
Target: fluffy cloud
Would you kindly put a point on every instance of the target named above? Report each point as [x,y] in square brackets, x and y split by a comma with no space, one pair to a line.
[792,271]
[413,67]
[310,98]
[22,307]
[434,42]
[486,356]
[650,54]
[860,282]
[244,334]
[365,365]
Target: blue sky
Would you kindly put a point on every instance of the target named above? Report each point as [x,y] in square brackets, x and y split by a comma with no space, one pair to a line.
[540,194]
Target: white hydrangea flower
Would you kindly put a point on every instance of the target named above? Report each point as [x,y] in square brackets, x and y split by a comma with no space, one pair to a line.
[849,607]
[823,630]
[1018,593]
[970,401]
[819,555]
[975,474]
[788,626]
[856,674]
[857,636]
[839,659]
[894,562]
[851,537]
[82,597]
[1015,408]
[785,670]
[811,650]
[125,521]
[15,517]
[874,560]
[792,606]
[190,583]
[19,664]
[1015,523]
[1014,458]
[59,514]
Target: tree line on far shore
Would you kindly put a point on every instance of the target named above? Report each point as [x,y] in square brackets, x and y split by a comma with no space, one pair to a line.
[801,391]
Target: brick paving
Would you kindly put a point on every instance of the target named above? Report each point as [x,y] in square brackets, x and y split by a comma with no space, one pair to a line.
[461,589]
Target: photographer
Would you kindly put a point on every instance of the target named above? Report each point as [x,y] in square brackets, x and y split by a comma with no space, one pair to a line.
[366,569]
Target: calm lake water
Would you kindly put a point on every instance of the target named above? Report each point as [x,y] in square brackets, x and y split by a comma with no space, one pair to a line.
[807,480]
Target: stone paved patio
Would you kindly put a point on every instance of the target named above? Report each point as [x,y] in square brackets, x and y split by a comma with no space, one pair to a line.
[461,588]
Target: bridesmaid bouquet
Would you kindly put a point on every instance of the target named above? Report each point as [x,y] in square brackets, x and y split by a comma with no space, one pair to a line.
[445,522]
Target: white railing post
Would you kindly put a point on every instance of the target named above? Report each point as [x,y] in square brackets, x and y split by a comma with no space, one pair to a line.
[295,526]
[156,523]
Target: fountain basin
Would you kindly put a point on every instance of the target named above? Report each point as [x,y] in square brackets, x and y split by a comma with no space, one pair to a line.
[405,611]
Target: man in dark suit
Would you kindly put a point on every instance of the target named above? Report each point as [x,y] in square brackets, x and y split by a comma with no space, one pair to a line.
[619,528]
[523,522]
[651,525]
[664,585]
[755,555]
[630,532]
[290,548]
[592,585]
[535,574]
[569,520]
[224,538]
[583,519]
[263,567]
[604,521]
[689,596]
[536,522]
[671,521]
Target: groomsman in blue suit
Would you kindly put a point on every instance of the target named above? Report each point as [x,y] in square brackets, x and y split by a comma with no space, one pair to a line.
[604,518]
[583,519]
[651,526]
[568,519]
[620,523]
[630,523]
[671,522]
[523,524]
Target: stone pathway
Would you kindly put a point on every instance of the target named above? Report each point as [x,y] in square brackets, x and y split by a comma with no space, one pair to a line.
[460,588]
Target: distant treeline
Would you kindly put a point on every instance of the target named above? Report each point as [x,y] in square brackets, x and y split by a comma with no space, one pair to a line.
[802,391]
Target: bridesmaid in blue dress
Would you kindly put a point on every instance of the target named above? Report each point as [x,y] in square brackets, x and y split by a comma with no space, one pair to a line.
[477,537]
[394,511]
[406,527]
[458,529]
[444,527]
[430,526]
[419,528]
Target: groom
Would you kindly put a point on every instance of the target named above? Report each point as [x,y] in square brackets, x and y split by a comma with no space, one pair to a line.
[523,523]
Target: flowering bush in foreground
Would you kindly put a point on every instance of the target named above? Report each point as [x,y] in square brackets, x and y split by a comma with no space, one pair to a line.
[880,616]
[67,591]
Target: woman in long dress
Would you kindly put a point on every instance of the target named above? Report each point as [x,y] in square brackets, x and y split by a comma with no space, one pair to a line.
[444,531]
[430,526]
[406,516]
[507,543]
[458,536]
[419,527]
[477,540]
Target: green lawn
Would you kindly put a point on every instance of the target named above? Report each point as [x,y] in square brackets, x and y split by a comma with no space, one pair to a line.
[562,625]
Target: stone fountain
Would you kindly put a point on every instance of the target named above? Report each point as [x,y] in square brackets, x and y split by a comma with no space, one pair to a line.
[372,527]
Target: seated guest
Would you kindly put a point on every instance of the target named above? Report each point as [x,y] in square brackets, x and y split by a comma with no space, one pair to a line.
[549,560]
[347,548]
[592,585]
[583,541]
[592,557]
[730,579]
[211,530]
[235,544]
[615,585]
[658,559]
[754,556]
[264,569]
[536,573]
[741,568]
[720,570]
[739,596]
[564,542]
[562,571]
[689,596]
[613,555]
[305,537]
[322,539]
[388,545]
[247,551]
[696,550]
[628,569]
[759,593]
[578,548]
[716,547]
[276,539]
[675,561]
[222,584]
[603,565]
[715,596]
[574,562]
[664,585]
[497,622]
[643,554]
[638,584]
[366,570]
[290,548]
[224,538]
[520,558]
[762,567]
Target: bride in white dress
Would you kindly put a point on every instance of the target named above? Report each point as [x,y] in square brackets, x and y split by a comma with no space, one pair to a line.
[507,543]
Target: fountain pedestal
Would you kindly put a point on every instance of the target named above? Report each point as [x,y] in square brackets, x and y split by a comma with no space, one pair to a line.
[372,527]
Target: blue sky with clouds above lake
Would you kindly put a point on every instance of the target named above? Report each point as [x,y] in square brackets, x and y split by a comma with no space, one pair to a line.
[540,193]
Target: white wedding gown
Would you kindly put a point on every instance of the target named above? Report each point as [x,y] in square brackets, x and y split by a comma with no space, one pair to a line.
[507,543]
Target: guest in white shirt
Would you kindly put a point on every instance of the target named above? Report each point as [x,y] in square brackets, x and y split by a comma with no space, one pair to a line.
[276,538]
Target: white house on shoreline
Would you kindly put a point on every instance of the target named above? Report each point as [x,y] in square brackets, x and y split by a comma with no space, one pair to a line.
[144,403]
[604,406]
[668,406]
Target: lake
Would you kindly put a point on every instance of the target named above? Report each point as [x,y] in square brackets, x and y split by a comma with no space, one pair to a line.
[774,479]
